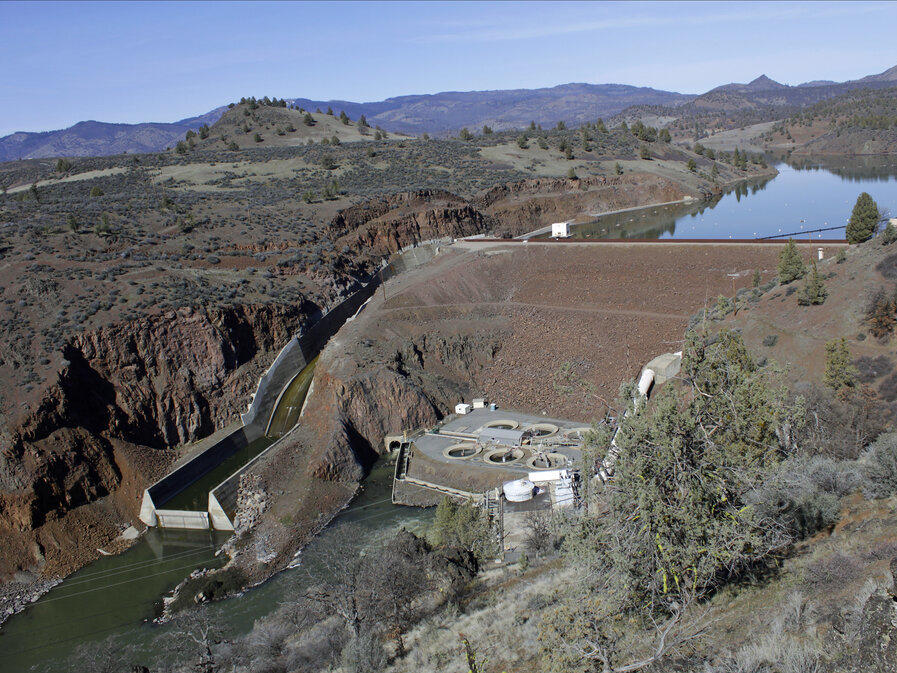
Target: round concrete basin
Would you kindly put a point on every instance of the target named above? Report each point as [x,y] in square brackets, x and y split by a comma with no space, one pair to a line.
[504,456]
[461,451]
[547,461]
[502,424]
[540,430]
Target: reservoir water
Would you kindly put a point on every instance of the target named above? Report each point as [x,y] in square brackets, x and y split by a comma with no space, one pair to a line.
[805,195]
[115,596]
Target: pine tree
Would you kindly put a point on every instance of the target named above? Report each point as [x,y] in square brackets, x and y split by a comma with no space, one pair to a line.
[791,266]
[813,291]
[863,219]
[839,370]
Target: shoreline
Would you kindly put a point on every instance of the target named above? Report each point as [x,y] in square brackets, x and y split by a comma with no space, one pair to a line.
[546,229]
[771,172]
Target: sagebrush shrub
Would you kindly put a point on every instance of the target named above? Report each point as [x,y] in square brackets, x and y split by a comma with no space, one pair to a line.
[881,467]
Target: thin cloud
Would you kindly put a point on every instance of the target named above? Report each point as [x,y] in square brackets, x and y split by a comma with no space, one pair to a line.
[498,33]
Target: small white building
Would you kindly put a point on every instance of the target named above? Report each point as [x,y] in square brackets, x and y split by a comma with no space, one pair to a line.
[462,408]
[560,230]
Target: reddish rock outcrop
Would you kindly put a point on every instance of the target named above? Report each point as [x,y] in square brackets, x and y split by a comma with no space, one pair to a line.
[354,407]
[125,395]
[387,224]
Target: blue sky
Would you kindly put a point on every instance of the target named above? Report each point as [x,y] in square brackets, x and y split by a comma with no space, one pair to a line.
[130,62]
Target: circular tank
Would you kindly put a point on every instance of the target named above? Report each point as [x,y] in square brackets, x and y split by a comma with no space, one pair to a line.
[519,490]
[547,461]
[539,430]
[503,456]
[503,424]
[461,451]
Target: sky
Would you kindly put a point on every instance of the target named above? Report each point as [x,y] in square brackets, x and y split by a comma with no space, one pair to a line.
[133,62]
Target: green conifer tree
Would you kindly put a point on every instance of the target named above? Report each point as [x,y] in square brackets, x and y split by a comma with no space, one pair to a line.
[791,265]
[863,219]
[839,370]
[813,291]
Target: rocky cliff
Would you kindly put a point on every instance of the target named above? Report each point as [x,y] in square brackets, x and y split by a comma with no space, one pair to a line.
[125,395]
[408,383]
[387,224]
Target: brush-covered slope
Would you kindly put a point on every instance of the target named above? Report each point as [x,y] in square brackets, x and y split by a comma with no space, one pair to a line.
[858,122]
[250,125]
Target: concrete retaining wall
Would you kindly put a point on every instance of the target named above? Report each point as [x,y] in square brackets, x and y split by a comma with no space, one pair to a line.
[223,498]
[290,360]
[293,358]
[180,478]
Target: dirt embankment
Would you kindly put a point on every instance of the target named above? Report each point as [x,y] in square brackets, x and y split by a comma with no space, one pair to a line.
[545,329]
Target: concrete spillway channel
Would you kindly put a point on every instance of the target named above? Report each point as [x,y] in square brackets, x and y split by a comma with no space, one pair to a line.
[289,404]
[202,492]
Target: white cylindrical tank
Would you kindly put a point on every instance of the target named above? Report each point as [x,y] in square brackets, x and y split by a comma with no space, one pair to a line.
[519,490]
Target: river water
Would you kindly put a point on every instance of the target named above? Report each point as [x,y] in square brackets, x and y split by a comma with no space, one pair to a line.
[114,597]
[805,195]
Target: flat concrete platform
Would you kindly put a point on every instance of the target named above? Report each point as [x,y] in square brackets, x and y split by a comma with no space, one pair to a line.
[456,441]
[474,421]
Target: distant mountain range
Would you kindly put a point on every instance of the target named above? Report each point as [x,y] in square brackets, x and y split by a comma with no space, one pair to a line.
[448,112]
[502,109]
[93,138]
